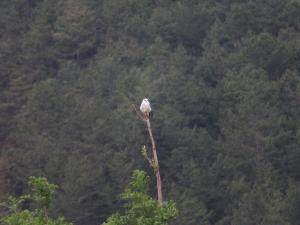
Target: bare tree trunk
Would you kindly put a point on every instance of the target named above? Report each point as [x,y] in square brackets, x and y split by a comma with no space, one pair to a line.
[153,163]
[156,166]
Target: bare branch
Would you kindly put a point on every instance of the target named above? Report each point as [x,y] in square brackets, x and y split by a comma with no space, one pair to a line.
[153,162]
[137,112]
[156,165]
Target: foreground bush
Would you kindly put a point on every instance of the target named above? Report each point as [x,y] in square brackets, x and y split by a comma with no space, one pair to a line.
[41,195]
[141,209]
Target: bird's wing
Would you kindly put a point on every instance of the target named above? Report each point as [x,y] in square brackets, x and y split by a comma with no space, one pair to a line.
[143,106]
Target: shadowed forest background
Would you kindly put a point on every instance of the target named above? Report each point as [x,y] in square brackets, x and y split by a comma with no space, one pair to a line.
[223,80]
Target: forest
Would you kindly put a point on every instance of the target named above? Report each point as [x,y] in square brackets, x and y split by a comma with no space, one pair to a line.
[223,79]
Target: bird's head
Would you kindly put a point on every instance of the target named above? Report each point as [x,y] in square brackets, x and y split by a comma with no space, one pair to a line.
[146,100]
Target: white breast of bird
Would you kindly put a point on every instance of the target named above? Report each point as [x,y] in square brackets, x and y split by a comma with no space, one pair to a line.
[145,106]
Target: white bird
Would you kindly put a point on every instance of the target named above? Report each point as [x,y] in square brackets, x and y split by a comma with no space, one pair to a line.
[145,108]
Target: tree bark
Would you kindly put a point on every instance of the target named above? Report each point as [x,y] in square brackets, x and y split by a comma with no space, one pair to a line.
[156,167]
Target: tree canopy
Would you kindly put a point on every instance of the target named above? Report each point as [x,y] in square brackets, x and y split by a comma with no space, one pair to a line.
[223,81]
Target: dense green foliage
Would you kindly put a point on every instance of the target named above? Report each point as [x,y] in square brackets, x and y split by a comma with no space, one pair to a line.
[42,194]
[141,208]
[223,80]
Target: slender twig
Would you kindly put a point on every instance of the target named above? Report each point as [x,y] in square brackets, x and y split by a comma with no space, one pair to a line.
[137,112]
[150,160]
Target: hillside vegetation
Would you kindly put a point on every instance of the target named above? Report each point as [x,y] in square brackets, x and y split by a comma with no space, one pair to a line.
[223,80]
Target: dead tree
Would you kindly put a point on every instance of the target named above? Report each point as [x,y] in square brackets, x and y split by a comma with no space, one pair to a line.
[153,161]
